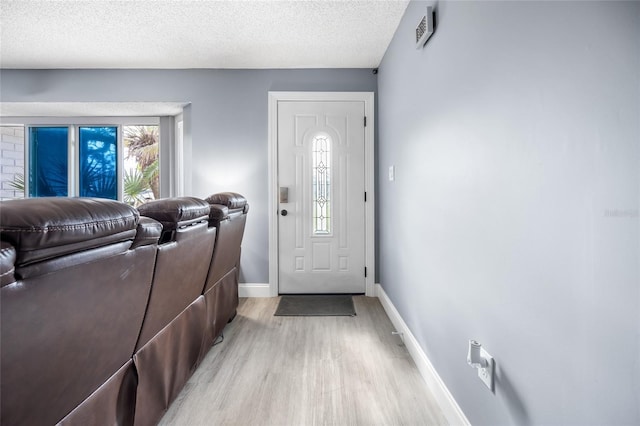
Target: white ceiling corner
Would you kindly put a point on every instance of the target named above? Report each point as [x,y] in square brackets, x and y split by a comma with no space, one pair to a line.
[39,34]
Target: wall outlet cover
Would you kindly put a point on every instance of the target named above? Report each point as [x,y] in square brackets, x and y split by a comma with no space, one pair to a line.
[487,373]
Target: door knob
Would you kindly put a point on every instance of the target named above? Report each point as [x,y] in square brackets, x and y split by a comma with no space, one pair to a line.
[284,212]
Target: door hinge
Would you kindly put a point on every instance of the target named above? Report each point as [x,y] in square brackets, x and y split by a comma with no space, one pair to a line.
[365,121]
[365,197]
[365,272]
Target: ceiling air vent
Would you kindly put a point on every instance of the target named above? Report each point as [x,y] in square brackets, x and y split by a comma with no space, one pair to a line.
[424,28]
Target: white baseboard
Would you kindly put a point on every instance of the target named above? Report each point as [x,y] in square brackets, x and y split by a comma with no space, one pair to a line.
[443,397]
[254,290]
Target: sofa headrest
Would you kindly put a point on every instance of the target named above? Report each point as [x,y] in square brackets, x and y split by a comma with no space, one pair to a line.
[226,205]
[7,263]
[43,228]
[232,200]
[176,212]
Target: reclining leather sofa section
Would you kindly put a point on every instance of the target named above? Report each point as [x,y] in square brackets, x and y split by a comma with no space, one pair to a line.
[107,310]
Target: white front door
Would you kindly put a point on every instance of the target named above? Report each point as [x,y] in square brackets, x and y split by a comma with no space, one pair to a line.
[321,178]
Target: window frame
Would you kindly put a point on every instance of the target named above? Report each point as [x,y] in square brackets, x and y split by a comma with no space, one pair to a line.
[73,152]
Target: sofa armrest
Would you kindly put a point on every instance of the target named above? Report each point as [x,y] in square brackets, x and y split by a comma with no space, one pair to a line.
[148,232]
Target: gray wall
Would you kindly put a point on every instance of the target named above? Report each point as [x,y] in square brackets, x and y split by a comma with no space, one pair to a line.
[514,215]
[228,116]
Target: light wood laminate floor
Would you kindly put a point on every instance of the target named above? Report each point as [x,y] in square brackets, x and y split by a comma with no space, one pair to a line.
[306,371]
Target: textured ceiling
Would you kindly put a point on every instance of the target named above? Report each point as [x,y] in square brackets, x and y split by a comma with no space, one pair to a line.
[196,34]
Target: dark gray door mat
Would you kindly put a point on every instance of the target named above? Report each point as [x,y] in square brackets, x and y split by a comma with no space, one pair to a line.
[316,305]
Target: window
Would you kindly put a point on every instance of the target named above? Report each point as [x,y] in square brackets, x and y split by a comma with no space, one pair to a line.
[116,161]
[12,182]
[321,170]
[48,161]
[98,175]
[141,164]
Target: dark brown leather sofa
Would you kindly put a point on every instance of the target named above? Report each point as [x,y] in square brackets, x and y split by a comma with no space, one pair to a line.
[228,215]
[103,311]
[172,336]
[72,307]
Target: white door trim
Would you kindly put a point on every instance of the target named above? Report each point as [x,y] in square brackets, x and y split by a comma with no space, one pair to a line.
[367,98]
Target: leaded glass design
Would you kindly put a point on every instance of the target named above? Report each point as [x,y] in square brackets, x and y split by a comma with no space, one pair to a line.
[321,169]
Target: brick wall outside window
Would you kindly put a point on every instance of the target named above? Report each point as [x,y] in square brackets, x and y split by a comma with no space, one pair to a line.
[11,160]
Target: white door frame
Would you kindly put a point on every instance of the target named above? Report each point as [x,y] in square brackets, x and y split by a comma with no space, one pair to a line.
[367,98]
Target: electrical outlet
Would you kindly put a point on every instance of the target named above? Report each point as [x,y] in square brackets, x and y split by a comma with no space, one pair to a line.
[487,373]
[392,173]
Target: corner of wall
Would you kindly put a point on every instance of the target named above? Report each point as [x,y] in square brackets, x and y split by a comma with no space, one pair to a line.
[444,399]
